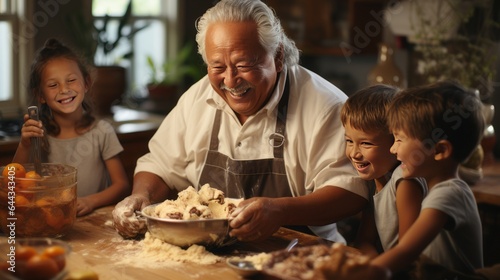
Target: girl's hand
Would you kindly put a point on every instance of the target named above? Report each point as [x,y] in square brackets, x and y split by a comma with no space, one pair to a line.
[31,128]
[84,206]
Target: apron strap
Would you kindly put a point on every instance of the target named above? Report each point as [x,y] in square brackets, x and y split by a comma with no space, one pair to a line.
[214,139]
[277,139]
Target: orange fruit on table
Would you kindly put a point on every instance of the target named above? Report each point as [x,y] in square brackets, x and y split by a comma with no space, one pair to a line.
[15,169]
[40,267]
[58,254]
[24,253]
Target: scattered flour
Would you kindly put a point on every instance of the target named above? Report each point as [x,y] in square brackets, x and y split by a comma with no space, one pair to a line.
[207,203]
[161,251]
[152,252]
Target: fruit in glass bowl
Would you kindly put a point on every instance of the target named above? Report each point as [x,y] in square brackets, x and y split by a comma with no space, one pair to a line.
[37,205]
[33,258]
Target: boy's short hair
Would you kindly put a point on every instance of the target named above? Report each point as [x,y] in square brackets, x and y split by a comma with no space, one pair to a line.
[440,111]
[366,109]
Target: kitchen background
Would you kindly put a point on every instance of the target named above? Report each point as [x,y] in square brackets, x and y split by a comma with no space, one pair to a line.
[345,41]
[339,39]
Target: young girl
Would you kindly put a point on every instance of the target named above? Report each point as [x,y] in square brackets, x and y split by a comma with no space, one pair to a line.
[60,82]
[396,201]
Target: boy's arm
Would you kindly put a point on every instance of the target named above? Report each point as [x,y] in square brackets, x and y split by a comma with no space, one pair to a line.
[409,198]
[366,236]
[427,226]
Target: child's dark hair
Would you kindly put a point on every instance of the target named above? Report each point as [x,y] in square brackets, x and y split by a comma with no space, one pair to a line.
[440,111]
[366,109]
[51,50]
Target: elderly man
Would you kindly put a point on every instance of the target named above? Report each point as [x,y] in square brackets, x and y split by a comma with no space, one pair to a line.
[258,126]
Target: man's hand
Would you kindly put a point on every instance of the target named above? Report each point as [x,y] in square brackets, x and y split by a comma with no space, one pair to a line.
[125,220]
[255,219]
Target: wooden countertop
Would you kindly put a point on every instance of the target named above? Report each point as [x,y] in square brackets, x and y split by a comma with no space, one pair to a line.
[487,189]
[124,120]
[96,246]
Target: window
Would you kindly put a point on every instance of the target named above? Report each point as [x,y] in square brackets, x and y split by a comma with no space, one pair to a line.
[152,41]
[6,66]
[10,52]
[26,23]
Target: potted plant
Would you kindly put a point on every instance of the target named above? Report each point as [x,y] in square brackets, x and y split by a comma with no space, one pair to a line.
[166,78]
[94,41]
[459,46]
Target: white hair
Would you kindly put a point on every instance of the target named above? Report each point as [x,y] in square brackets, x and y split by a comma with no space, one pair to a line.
[270,32]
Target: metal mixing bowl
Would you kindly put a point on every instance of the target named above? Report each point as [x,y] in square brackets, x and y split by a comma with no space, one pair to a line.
[211,233]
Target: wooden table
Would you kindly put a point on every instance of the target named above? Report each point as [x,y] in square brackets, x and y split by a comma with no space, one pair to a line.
[487,189]
[96,246]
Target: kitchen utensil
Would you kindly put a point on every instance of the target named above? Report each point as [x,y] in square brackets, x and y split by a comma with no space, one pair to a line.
[35,142]
[184,233]
[247,268]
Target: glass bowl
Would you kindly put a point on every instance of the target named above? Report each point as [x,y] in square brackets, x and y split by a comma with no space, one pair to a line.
[33,258]
[38,207]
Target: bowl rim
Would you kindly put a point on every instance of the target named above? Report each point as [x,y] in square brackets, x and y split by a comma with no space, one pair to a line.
[153,223]
[42,242]
[72,172]
[31,166]
[176,221]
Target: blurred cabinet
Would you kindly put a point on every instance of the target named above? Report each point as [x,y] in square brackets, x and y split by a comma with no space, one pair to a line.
[332,27]
[7,150]
[135,145]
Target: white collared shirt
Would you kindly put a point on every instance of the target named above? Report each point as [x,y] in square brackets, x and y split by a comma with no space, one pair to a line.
[314,151]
